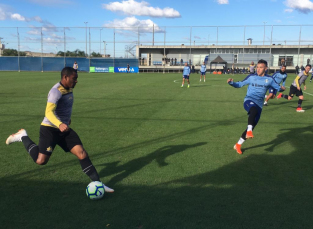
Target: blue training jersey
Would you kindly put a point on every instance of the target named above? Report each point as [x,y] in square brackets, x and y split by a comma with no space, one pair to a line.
[203,68]
[186,71]
[280,77]
[258,85]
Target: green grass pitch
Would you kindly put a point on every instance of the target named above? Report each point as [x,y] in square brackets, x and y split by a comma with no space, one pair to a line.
[166,150]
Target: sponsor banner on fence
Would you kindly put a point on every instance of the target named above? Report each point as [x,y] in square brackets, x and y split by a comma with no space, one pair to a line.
[101,69]
[131,69]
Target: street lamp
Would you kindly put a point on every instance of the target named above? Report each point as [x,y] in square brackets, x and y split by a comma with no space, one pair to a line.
[86,35]
[104,43]
[264,31]
[100,41]
[1,46]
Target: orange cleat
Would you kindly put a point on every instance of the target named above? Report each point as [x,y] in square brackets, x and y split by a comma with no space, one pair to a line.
[249,134]
[299,109]
[279,96]
[237,147]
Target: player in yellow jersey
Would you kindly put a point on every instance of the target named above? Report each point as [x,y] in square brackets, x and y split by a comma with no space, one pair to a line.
[55,130]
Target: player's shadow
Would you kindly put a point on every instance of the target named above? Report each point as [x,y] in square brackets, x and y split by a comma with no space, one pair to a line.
[137,164]
[287,137]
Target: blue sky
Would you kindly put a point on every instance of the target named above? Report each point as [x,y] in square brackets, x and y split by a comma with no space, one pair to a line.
[51,14]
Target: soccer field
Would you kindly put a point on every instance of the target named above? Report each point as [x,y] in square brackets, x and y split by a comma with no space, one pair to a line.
[166,150]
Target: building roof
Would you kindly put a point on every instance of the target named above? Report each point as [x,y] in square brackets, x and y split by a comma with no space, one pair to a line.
[218,60]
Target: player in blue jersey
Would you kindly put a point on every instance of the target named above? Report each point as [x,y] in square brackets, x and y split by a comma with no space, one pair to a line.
[186,73]
[202,72]
[258,85]
[279,77]
[311,77]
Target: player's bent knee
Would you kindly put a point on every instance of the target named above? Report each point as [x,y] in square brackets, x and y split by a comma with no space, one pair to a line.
[79,152]
[42,159]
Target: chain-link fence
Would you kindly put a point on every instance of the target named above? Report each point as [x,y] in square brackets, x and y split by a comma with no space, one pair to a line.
[192,44]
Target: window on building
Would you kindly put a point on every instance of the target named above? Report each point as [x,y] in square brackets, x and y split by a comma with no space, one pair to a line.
[287,60]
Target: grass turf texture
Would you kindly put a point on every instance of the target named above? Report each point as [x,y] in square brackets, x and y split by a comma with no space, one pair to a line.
[166,150]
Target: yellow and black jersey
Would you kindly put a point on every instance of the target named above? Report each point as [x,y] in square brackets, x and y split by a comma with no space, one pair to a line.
[59,106]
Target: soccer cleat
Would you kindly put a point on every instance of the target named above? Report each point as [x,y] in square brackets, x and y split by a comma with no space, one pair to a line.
[204,81]
[200,80]
[17,137]
[279,96]
[107,189]
[249,134]
[182,86]
[237,147]
[188,86]
[265,103]
[299,109]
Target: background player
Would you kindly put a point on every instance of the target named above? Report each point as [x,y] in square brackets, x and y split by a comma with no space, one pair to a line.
[258,85]
[75,66]
[279,77]
[55,130]
[186,73]
[251,68]
[295,88]
[202,72]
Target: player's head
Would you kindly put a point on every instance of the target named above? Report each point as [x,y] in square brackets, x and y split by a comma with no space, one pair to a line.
[283,68]
[203,62]
[252,63]
[261,67]
[186,64]
[307,68]
[69,77]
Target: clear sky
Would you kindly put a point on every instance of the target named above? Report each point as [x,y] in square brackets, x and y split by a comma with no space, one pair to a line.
[52,14]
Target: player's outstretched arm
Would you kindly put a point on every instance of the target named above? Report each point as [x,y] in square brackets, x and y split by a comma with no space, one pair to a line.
[230,80]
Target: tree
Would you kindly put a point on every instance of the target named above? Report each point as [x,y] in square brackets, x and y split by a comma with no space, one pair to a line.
[94,54]
[75,53]
[12,52]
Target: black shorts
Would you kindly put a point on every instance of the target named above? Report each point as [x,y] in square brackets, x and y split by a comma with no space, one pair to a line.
[50,137]
[294,91]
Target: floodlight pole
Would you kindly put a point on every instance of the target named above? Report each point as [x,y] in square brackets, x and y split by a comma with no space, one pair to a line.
[100,41]
[104,48]
[264,32]
[86,36]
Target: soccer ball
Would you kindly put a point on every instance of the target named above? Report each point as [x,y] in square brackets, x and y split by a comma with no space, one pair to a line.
[95,190]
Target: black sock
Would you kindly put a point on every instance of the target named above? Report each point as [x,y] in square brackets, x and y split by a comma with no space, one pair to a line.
[285,96]
[89,169]
[299,102]
[252,114]
[243,136]
[31,147]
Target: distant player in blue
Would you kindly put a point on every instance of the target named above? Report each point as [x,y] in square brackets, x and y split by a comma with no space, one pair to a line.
[186,73]
[258,85]
[202,72]
[279,77]
[311,77]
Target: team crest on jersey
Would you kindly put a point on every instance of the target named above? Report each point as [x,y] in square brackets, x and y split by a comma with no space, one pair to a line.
[49,149]
[266,81]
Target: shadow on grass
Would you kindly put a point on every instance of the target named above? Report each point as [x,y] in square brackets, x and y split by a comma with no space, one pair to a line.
[256,191]
[137,164]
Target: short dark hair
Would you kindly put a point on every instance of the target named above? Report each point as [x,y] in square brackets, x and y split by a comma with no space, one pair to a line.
[67,71]
[262,62]
[283,65]
[308,65]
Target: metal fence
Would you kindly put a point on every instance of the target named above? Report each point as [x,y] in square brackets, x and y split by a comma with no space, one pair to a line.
[123,43]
